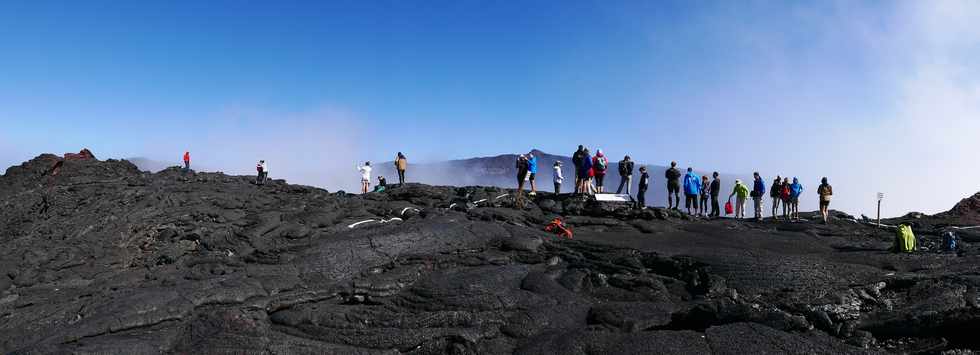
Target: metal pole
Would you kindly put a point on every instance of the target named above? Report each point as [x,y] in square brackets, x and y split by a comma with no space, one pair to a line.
[879,218]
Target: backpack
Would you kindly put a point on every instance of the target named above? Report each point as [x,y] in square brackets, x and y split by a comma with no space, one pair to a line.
[904,240]
[728,208]
[949,241]
[600,164]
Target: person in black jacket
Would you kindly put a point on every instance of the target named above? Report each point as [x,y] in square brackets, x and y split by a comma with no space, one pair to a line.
[577,162]
[625,175]
[644,184]
[673,177]
[715,189]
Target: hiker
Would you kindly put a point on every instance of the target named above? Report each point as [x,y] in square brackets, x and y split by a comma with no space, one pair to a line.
[705,195]
[365,176]
[522,175]
[577,162]
[785,195]
[692,190]
[585,172]
[796,189]
[774,191]
[826,192]
[401,164]
[382,184]
[641,193]
[599,166]
[715,190]
[625,174]
[673,186]
[758,192]
[532,170]
[741,192]
[263,169]
[187,161]
[557,177]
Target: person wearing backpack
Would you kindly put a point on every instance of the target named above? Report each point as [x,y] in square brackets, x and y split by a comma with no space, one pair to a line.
[692,190]
[785,195]
[673,177]
[600,164]
[705,195]
[796,189]
[625,174]
[585,173]
[826,192]
[401,164]
[758,192]
[577,162]
[642,190]
[557,177]
[532,170]
[741,193]
[774,192]
[715,190]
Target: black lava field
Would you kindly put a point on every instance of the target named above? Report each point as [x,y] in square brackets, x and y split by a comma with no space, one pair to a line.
[98,257]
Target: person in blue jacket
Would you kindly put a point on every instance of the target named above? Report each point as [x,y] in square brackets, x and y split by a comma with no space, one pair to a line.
[795,190]
[758,191]
[532,170]
[692,190]
[585,171]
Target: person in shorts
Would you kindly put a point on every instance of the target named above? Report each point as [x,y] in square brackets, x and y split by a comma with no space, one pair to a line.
[826,192]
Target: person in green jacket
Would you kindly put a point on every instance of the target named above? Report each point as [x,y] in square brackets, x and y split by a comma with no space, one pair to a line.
[741,192]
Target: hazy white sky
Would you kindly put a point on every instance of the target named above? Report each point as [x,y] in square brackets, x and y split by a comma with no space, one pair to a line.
[878,96]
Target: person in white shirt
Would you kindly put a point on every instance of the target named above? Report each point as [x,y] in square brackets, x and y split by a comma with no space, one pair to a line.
[365,176]
[558,178]
[263,170]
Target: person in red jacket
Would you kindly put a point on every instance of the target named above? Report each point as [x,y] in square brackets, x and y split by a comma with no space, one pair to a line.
[599,166]
[187,161]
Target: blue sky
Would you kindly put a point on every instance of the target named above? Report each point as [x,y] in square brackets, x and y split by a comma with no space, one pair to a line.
[879,96]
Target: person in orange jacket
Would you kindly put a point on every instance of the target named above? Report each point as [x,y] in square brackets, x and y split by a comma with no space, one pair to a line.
[187,161]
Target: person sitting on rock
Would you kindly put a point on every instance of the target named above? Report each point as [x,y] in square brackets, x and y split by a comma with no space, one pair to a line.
[365,176]
[642,191]
[741,193]
[382,184]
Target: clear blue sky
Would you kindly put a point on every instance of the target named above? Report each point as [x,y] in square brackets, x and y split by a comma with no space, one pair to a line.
[876,95]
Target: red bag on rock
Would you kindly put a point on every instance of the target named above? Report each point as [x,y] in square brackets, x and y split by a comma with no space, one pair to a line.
[728,208]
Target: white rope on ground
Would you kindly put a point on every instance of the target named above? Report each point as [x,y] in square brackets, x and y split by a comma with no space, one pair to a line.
[408,208]
[360,223]
[375,220]
[498,197]
[452,205]
[478,202]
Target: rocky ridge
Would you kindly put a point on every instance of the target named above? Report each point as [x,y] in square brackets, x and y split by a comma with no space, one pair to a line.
[100,257]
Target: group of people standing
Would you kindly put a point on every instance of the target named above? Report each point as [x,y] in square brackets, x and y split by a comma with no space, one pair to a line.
[401,165]
[699,192]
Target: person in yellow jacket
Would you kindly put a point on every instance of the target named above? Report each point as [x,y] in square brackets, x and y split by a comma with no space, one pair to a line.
[401,164]
[741,192]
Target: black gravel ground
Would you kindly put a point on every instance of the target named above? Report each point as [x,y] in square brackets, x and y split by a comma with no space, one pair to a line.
[100,258]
